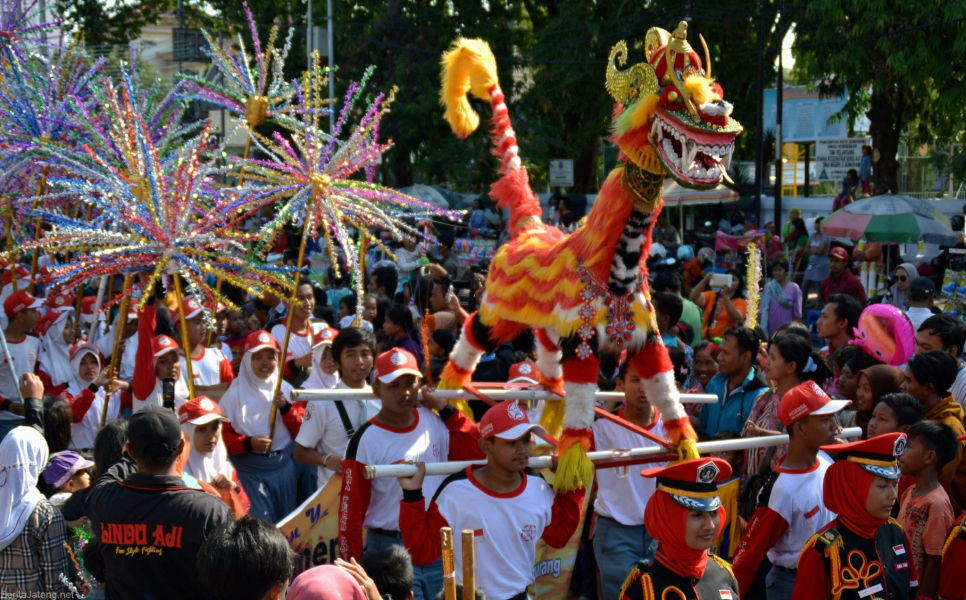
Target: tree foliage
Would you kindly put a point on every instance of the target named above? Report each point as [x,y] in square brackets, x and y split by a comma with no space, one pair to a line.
[111,23]
[903,64]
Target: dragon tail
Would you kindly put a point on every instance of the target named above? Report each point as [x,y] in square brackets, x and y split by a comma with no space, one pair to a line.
[469,67]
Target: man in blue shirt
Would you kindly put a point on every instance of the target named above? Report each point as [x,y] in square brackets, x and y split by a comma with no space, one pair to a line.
[738,384]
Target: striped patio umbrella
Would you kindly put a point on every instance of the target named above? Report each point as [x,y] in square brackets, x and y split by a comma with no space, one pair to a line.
[891,218]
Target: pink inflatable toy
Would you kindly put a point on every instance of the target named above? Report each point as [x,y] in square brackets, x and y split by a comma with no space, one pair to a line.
[885,332]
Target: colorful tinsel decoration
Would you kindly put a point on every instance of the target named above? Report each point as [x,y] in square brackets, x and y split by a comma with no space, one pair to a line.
[753,284]
[20,22]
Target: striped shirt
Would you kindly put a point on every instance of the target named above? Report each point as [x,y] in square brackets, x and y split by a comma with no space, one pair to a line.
[36,559]
[958,388]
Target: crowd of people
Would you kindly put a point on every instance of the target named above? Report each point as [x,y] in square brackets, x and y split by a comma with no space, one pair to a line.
[123,483]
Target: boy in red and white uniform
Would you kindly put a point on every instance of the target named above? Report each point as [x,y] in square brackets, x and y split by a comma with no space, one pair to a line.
[508,507]
[398,432]
[620,540]
[324,436]
[791,508]
[304,334]
[212,371]
[21,310]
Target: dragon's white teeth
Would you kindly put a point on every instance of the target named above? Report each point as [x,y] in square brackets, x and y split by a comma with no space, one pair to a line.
[726,159]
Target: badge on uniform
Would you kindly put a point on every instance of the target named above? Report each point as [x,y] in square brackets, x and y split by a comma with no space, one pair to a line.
[900,549]
[725,594]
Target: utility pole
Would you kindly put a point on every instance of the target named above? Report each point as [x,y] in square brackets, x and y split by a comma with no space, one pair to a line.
[779,98]
[760,132]
[329,32]
[309,38]
[181,27]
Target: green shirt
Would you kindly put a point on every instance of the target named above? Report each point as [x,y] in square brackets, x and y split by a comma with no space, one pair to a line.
[693,316]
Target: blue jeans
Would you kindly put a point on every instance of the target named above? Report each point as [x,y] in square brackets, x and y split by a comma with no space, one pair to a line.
[617,549]
[428,580]
[779,584]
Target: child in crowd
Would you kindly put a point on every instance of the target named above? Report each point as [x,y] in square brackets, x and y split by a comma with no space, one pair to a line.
[391,570]
[347,314]
[791,507]
[441,343]
[730,535]
[895,412]
[398,432]
[848,380]
[928,379]
[954,558]
[325,371]
[66,472]
[57,334]
[247,558]
[21,311]
[328,426]
[236,330]
[207,460]
[212,372]
[516,505]
[871,384]
[620,540]
[863,550]
[89,388]
[263,461]
[926,514]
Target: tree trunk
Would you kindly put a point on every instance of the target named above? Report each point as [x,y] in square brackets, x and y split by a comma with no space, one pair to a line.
[586,170]
[886,116]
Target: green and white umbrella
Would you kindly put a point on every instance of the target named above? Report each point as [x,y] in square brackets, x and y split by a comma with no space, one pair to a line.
[891,218]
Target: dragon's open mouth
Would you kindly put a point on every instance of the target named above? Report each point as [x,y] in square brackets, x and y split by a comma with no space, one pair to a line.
[694,158]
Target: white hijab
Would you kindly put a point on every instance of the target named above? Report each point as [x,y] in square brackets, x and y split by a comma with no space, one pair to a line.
[156,396]
[54,351]
[84,433]
[106,345]
[23,455]
[248,404]
[205,466]
[318,379]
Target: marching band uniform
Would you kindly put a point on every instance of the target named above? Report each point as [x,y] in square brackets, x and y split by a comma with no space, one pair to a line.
[678,571]
[952,582]
[858,556]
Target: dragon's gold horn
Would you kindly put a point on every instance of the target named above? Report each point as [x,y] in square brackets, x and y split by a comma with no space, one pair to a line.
[707,57]
[655,38]
[617,82]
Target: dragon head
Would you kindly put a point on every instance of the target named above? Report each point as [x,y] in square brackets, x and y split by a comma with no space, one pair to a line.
[670,110]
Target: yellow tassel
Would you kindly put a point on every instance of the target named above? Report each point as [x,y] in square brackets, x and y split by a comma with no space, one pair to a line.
[552,416]
[700,89]
[574,470]
[468,67]
[687,450]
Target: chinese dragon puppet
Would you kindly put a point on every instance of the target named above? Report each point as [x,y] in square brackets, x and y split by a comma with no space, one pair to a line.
[586,293]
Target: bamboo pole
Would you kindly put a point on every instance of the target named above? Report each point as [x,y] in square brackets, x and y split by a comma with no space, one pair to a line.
[449,568]
[495,394]
[184,335]
[651,453]
[469,565]
[118,334]
[291,312]
[41,189]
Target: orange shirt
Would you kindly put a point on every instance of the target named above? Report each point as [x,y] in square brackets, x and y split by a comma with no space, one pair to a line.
[716,324]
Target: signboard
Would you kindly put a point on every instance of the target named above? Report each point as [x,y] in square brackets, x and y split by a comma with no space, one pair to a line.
[805,116]
[561,172]
[834,158]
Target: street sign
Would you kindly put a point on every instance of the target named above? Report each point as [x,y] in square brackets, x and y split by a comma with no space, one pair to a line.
[807,116]
[834,158]
[562,172]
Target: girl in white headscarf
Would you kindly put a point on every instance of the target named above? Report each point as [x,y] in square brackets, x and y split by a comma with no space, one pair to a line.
[325,373]
[86,396]
[32,532]
[58,336]
[264,464]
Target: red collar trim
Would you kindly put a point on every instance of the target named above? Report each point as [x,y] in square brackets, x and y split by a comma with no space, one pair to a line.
[180,352]
[397,429]
[654,417]
[491,493]
[811,469]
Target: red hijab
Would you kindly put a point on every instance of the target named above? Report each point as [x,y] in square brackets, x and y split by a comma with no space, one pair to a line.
[845,491]
[664,520]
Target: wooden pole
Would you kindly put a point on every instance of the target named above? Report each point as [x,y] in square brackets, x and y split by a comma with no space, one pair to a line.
[41,189]
[291,312]
[449,568]
[469,565]
[118,334]
[184,335]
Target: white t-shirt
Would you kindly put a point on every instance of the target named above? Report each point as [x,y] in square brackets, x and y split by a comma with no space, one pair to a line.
[797,497]
[426,440]
[24,354]
[507,528]
[624,498]
[299,344]
[917,315]
[211,368]
[324,431]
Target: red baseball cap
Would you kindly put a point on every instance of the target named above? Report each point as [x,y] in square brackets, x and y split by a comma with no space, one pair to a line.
[325,337]
[839,253]
[20,301]
[47,321]
[395,363]
[22,273]
[162,345]
[200,411]
[83,346]
[523,372]
[507,421]
[192,308]
[805,400]
[259,340]
[87,306]
[62,300]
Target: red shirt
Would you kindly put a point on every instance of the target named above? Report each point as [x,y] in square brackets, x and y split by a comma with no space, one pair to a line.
[848,283]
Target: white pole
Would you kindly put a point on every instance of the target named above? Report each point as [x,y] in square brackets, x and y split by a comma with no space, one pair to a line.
[495,394]
[544,462]
[329,38]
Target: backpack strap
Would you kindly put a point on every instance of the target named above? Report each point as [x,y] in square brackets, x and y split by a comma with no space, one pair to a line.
[344,416]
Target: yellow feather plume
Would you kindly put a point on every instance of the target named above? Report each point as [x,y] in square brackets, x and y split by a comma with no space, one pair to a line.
[700,89]
[468,67]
